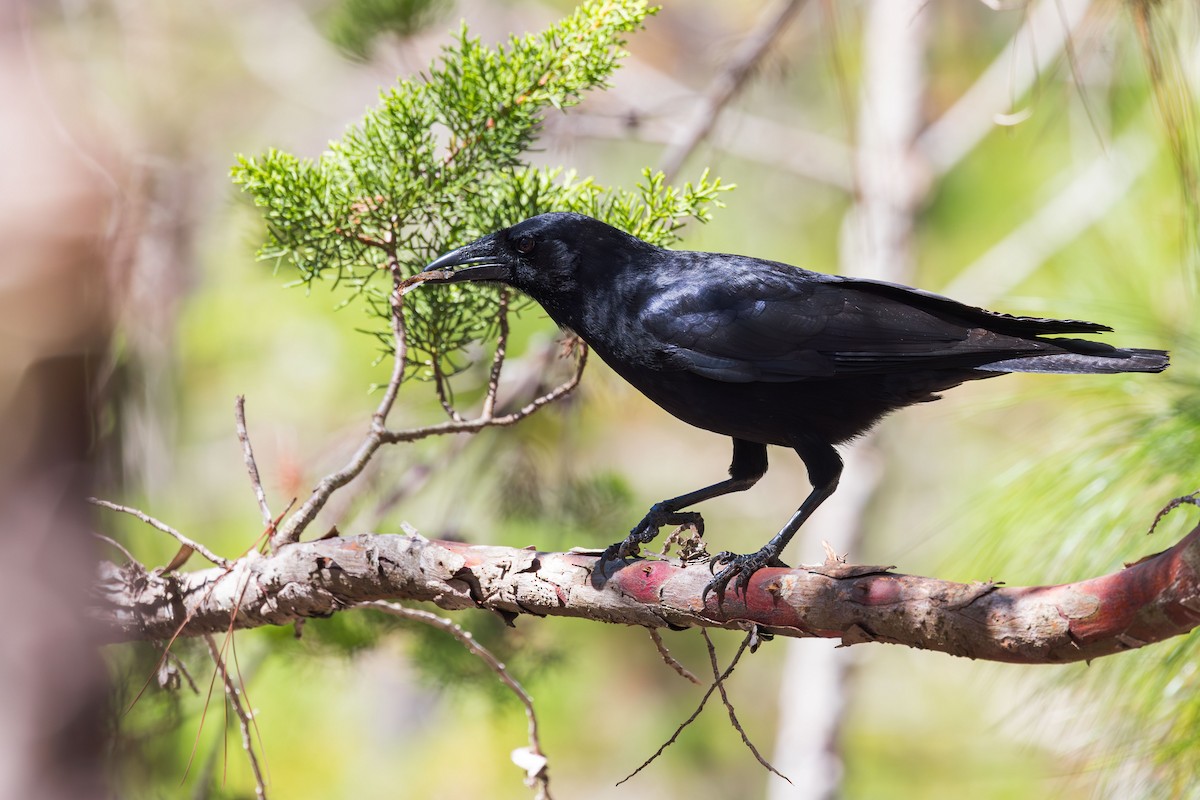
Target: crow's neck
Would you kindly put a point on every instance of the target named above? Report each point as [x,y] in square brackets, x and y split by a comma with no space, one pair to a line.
[606,314]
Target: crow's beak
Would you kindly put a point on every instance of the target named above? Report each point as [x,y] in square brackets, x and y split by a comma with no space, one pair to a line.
[481,260]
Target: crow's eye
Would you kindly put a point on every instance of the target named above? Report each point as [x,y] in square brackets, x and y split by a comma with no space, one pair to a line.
[525,245]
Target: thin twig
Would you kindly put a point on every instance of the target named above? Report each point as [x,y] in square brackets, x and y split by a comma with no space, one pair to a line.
[1187,499]
[165,528]
[244,715]
[231,640]
[114,543]
[369,241]
[295,525]
[183,670]
[400,342]
[479,423]
[489,400]
[669,659]
[733,720]
[696,713]
[728,83]
[439,385]
[239,415]
[541,778]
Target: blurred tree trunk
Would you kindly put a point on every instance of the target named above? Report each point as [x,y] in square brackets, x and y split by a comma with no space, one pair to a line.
[876,243]
[54,218]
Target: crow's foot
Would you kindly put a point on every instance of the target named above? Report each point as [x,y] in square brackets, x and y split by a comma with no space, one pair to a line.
[647,529]
[738,569]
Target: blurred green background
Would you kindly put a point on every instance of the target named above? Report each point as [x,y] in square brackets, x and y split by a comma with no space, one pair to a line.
[1029,479]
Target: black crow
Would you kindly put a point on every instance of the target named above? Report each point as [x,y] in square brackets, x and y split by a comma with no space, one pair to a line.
[764,352]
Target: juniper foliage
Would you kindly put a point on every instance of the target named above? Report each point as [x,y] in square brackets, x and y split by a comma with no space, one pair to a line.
[440,161]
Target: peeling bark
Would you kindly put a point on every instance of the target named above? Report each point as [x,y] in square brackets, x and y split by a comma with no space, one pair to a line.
[1154,599]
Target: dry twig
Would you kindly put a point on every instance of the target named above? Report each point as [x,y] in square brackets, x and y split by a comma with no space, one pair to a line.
[489,400]
[292,529]
[165,528]
[669,659]
[733,720]
[700,707]
[117,545]
[245,716]
[239,414]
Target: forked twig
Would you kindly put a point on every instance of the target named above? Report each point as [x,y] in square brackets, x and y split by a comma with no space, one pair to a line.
[379,434]
[295,525]
[700,707]
[733,720]
[539,777]
[479,423]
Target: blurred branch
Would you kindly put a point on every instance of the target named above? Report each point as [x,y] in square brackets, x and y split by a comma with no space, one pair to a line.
[728,83]
[1152,600]
[764,141]
[1083,201]
[1046,33]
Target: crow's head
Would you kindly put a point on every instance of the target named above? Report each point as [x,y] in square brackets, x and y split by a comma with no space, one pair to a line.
[551,257]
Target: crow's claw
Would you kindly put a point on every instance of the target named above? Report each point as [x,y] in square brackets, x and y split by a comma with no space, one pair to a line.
[647,529]
[738,569]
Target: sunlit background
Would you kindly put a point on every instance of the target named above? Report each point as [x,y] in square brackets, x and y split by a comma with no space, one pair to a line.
[1037,159]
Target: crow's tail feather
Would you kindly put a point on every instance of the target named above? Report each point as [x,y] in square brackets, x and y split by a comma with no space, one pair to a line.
[1083,357]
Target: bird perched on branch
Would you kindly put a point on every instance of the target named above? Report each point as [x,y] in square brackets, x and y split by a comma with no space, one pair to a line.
[763,352]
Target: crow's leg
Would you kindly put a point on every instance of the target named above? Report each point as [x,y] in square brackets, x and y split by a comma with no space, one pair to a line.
[749,464]
[824,469]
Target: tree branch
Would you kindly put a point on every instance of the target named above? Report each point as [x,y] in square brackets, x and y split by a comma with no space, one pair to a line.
[1083,201]
[729,82]
[294,527]
[1049,25]
[1152,600]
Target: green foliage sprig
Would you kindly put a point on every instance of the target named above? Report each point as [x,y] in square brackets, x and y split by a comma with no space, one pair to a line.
[439,162]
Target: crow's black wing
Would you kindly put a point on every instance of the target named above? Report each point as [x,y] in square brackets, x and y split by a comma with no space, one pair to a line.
[761,321]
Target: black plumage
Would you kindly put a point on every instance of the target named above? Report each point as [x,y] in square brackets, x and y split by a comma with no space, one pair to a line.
[763,352]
